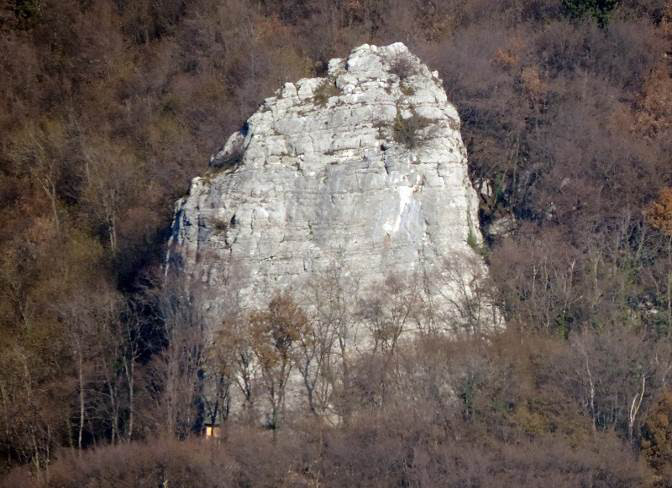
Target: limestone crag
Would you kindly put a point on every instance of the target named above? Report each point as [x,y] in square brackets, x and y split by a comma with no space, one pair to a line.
[364,169]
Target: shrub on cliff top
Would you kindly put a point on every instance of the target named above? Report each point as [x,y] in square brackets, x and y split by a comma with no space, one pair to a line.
[325,91]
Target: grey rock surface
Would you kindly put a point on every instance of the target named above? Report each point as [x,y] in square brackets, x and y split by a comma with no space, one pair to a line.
[364,169]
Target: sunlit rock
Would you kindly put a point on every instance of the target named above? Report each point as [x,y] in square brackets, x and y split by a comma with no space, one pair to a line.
[364,170]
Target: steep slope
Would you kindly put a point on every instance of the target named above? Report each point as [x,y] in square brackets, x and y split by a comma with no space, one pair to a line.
[364,170]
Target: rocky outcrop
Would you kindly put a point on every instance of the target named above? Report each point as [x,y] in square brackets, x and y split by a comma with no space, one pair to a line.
[364,169]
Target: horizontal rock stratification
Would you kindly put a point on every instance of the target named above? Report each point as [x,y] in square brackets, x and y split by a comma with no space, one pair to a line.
[363,171]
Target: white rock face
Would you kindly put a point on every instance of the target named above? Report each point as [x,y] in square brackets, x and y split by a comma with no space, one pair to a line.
[330,171]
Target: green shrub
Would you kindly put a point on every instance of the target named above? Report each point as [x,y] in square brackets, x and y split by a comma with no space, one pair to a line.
[407,89]
[325,91]
[472,240]
[598,9]
[406,131]
[27,11]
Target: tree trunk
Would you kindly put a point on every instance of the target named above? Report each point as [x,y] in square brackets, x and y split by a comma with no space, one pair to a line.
[81,399]
[130,380]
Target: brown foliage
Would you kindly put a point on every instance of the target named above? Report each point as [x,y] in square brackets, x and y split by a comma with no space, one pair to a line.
[159,463]
[275,333]
[107,110]
[656,440]
[659,212]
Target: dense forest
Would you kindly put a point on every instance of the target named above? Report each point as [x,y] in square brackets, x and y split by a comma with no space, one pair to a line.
[109,107]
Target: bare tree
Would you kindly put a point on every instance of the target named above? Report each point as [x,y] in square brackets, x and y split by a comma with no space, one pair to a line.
[612,374]
[390,310]
[177,368]
[328,347]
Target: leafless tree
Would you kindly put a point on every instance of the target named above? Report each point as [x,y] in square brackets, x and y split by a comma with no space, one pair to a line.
[178,367]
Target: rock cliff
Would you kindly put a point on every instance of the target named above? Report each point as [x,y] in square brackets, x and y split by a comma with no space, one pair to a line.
[364,170]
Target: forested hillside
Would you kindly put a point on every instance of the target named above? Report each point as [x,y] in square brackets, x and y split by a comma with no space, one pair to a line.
[109,107]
